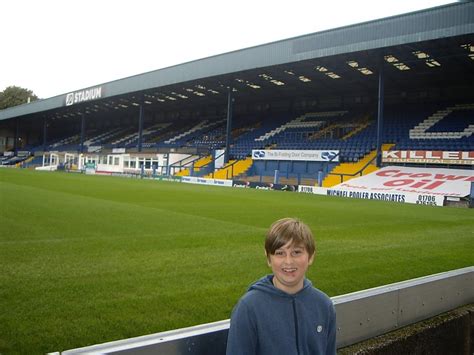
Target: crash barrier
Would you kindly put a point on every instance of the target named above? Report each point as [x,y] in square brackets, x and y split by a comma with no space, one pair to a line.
[360,315]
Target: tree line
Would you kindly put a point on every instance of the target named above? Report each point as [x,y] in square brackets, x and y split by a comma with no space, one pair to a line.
[14,96]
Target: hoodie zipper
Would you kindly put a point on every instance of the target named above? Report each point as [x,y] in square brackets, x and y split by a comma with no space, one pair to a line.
[296,326]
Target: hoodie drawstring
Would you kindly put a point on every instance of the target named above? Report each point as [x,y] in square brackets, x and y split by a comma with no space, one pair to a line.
[296,326]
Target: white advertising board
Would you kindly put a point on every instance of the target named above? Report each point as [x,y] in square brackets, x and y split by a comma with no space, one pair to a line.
[299,155]
[203,181]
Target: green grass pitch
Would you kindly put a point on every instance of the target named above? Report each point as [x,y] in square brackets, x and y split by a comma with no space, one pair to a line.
[90,259]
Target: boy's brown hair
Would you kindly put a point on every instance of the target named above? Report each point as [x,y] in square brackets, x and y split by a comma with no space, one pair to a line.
[289,229]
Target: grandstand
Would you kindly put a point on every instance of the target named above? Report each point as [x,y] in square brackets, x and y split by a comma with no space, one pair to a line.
[403,83]
[315,97]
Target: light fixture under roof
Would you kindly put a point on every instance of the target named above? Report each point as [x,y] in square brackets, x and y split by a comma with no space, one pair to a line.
[289,72]
[365,71]
[468,46]
[432,63]
[181,96]
[271,79]
[429,61]
[304,79]
[396,63]
[390,58]
[333,75]
[401,66]
[326,71]
[195,92]
[421,55]
[355,65]
[277,82]
[248,83]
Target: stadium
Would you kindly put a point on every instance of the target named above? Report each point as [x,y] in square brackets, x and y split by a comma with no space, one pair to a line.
[135,207]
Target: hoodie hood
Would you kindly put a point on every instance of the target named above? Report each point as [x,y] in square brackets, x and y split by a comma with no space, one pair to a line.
[265,284]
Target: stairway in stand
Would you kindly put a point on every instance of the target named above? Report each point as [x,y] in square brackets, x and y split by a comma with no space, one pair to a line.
[231,169]
[353,168]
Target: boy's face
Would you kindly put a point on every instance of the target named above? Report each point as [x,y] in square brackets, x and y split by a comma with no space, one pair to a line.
[289,265]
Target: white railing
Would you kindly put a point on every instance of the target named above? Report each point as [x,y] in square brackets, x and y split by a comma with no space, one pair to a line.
[360,315]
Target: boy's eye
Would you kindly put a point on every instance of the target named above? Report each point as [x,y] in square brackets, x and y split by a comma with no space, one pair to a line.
[279,253]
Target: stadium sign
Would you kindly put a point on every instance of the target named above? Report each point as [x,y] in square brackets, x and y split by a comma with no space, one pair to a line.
[299,155]
[429,157]
[84,95]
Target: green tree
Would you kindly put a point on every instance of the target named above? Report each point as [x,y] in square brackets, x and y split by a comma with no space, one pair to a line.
[14,96]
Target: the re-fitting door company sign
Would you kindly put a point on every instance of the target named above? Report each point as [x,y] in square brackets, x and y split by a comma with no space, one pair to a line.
[303,155]
[84,95]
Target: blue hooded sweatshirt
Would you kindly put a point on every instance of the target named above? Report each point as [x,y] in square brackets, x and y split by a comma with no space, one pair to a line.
[269,321]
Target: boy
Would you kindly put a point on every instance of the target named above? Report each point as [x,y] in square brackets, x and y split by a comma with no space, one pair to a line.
[283,313]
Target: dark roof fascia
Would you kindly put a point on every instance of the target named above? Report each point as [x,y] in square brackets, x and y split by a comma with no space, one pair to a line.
[424,25]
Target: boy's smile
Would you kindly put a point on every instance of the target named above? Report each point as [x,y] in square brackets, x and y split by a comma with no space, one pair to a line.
[289,265]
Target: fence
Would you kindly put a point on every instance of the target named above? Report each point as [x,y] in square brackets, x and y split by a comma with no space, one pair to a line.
[360,315]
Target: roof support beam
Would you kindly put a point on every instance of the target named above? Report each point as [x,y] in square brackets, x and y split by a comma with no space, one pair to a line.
[83,129]
[45,132]
[228,139]
[380,114]
[17,136]
[140,126]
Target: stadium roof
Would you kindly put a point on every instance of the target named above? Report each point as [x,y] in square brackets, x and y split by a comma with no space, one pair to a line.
[426,48]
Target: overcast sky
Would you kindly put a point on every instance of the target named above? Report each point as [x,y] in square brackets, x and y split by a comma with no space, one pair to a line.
[53,47]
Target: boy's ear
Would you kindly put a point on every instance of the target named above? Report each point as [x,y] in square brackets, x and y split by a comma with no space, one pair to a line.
[311,259]
[268,259]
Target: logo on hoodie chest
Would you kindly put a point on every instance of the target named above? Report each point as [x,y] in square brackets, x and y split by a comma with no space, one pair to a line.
[319,328]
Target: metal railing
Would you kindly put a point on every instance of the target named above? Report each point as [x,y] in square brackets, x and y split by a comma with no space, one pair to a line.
[358,173]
